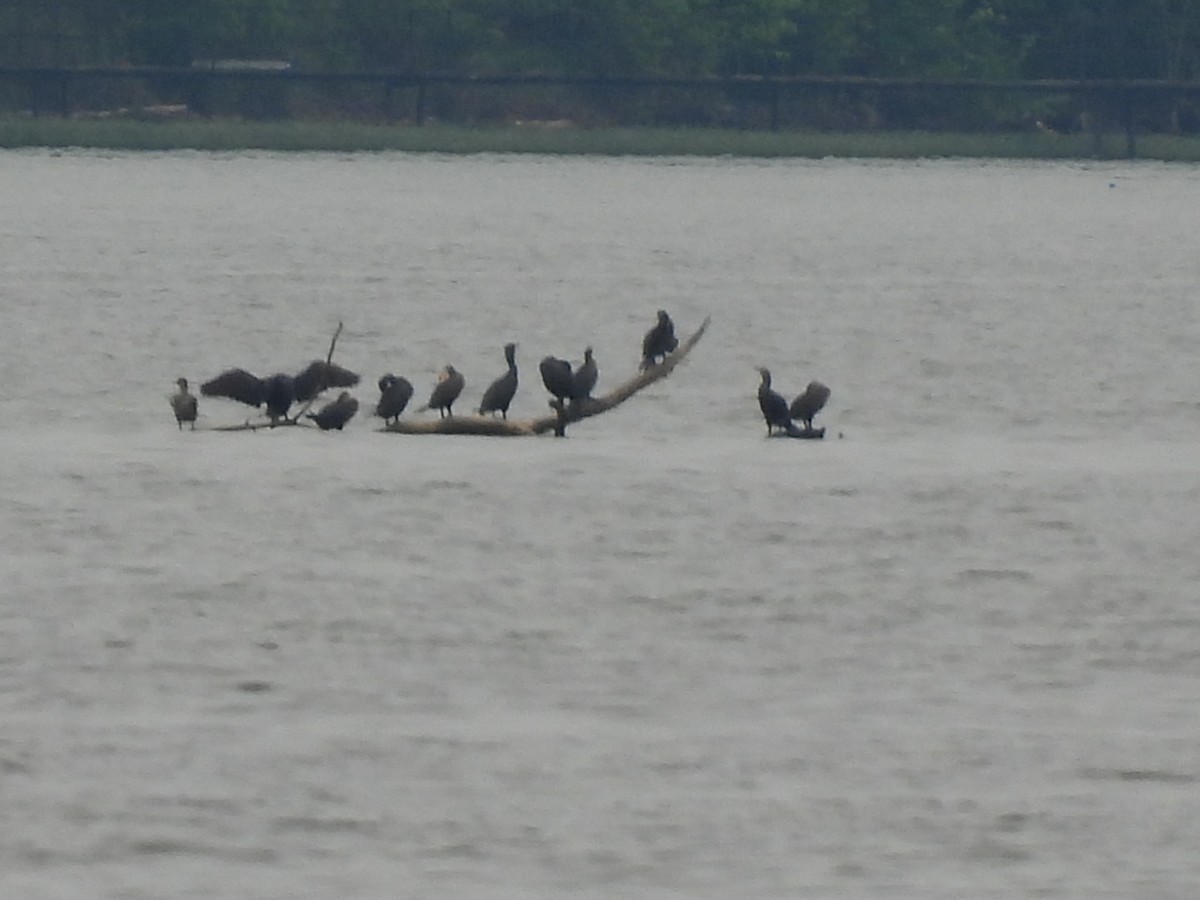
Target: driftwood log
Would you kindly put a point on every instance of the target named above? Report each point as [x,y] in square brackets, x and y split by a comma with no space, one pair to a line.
[563,413]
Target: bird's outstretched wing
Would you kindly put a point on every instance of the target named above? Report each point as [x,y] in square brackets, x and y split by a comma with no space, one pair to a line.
[236,384]
[319,375]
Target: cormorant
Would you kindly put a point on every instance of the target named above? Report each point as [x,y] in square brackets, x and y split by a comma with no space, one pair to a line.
[500,392]
[585,376]
[319,375]
[280,395]
[557,377]
[394,393]
[445,392]
[659,340]
[277,392]
[184,404]
[774,407]
[336,413]
[808,404]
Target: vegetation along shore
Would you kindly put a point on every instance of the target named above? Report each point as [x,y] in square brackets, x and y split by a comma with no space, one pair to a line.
[236,135]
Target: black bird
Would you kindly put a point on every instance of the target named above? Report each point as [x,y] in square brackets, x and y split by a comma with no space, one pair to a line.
[659,340]
[280,395]
[808,404]
[585,376]
[184,404]
[394,393]
[278,391]
[445,392]
[500,392]
[774,407]
[319,375]
[336,413]
[557,377]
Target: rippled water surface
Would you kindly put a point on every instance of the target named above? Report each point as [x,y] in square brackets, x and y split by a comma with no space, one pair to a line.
[951,651]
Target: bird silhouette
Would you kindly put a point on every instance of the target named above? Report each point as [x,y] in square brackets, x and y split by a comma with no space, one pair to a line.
[449,385]
[336,413]
[184,404]
[394,393]
[659,340]
[500,392]
[808,404]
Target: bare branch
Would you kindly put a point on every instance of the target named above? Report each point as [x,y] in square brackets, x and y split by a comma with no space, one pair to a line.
[324,378]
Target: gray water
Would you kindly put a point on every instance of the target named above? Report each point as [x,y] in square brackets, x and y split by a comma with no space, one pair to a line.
[951,651]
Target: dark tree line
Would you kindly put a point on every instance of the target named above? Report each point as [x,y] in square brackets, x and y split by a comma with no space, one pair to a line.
[994,40]
[1151,39]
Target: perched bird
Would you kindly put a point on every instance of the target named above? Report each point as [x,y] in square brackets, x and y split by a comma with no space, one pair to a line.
[500,392]
[278,391]
[394,393]
[659,340]
[319,375]
[336,413]
[808,404]
[184,404]
[774,407]
[585,376]
[445,392]
[557,377]
[280,395]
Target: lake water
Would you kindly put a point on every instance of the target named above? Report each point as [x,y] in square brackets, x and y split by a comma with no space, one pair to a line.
[951,651]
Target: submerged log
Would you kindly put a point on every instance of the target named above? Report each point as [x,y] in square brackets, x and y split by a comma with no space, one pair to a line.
[562,415]
[810,434]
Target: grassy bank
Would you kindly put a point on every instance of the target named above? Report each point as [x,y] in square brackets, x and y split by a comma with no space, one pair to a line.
[229,134]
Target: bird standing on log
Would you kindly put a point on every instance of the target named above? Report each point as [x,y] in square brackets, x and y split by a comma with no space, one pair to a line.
[659,340]
[450,384]
[557,377]
[184,404]
[808,404]
[394,393]
[585,376]
[280,392]
[500,392]
[774,407]
[336,413]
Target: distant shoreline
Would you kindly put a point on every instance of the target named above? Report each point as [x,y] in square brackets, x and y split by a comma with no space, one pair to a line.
[565,139]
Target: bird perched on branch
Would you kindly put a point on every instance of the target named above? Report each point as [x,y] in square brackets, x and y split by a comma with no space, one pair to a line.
[500,392]
[184,404]
[808,404]
[659,340]
[336,413]
[319,375]
[774,407]
[394,393]
[557,377]
[449,385]
[585,376]
[277,392]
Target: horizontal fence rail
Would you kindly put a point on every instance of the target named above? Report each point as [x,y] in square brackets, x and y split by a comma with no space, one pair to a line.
[778,101]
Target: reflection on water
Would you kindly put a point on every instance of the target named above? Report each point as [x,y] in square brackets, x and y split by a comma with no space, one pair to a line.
[949,654]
